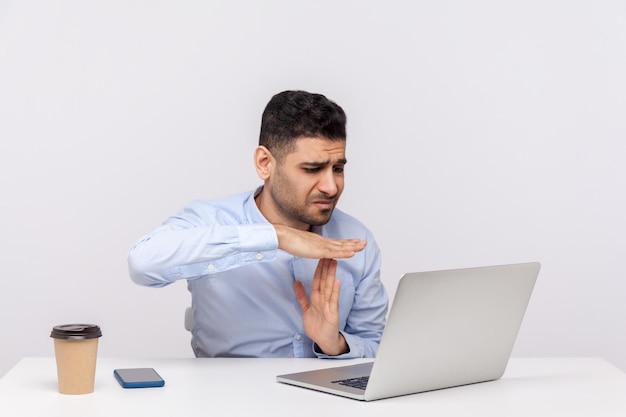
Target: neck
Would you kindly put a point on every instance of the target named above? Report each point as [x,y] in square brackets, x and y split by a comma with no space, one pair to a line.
[273,215]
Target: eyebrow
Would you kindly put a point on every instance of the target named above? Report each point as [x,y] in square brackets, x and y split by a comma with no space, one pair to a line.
[341,161]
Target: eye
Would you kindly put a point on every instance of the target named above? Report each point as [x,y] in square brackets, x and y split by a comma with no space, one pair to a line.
[311,170]
[338,170]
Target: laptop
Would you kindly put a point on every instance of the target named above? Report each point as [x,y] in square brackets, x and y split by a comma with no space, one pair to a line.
[444,329]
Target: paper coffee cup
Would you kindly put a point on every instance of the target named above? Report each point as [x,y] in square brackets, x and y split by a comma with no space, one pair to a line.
[76,350]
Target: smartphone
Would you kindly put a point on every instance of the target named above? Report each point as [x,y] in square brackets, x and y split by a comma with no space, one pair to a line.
[138,378]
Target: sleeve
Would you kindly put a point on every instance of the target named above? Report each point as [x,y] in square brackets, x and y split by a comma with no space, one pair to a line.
[197,242]
[367,317]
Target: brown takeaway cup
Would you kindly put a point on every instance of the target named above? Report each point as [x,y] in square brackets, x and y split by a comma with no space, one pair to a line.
[76,349]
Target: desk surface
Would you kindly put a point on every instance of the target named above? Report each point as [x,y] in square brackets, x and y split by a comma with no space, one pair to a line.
[203,387]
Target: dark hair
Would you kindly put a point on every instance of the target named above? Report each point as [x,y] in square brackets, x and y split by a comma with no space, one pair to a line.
[291,115]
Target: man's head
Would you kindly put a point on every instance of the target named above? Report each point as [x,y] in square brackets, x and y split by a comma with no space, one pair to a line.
[291,115]
[301,158]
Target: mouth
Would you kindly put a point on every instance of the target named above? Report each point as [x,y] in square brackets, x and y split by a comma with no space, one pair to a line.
[324,204]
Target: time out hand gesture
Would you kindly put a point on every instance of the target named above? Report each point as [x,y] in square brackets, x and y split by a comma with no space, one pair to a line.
[320,315]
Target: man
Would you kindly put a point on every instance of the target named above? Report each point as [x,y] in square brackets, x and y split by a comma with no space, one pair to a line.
[262,266]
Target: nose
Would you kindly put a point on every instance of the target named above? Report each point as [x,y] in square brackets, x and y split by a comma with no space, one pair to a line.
[328,183]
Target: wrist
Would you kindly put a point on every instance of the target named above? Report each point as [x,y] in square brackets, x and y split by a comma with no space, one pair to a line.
[338,347]
[280,234]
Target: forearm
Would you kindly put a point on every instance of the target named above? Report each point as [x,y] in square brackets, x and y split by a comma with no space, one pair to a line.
[170,253]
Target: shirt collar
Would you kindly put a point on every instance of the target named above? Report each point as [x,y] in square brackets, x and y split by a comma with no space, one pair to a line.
[253,214]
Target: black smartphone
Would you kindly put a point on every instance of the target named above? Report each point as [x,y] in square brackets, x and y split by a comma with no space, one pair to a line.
[138,378]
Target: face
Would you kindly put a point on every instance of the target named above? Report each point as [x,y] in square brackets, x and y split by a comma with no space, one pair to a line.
[304,187]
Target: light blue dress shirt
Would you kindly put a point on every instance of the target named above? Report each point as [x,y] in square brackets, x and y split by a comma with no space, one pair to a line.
[242,285]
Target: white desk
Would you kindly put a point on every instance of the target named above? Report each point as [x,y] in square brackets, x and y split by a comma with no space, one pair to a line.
[247,387]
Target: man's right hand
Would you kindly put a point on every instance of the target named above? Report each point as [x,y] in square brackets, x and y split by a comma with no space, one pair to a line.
[310,245]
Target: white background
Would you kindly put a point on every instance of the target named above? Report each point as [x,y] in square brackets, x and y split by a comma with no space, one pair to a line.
[482,132]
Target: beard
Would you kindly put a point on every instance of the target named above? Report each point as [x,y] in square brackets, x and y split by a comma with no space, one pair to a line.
[303,212]
[286,197]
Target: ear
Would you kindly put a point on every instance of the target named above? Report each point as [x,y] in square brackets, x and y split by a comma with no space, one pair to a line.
[263,162]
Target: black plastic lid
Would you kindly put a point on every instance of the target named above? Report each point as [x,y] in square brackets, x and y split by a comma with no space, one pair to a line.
[76,331]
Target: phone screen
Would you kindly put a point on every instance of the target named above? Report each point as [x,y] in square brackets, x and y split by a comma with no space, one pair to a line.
[138,378]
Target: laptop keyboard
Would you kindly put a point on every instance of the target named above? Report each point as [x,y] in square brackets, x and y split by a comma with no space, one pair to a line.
[359,383]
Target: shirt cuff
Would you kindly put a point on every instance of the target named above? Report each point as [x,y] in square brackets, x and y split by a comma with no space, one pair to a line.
[257,237]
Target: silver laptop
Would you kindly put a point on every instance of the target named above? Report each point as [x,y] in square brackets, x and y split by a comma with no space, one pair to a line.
[445,329]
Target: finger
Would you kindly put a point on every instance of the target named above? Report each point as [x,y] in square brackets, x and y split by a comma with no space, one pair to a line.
[330,272]
[345,248]
[333,305]
[317,276]
[298,289]
[323,275]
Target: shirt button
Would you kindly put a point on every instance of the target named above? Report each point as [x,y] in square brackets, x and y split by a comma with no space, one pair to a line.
[211,267]
[259,256]
[299,337]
